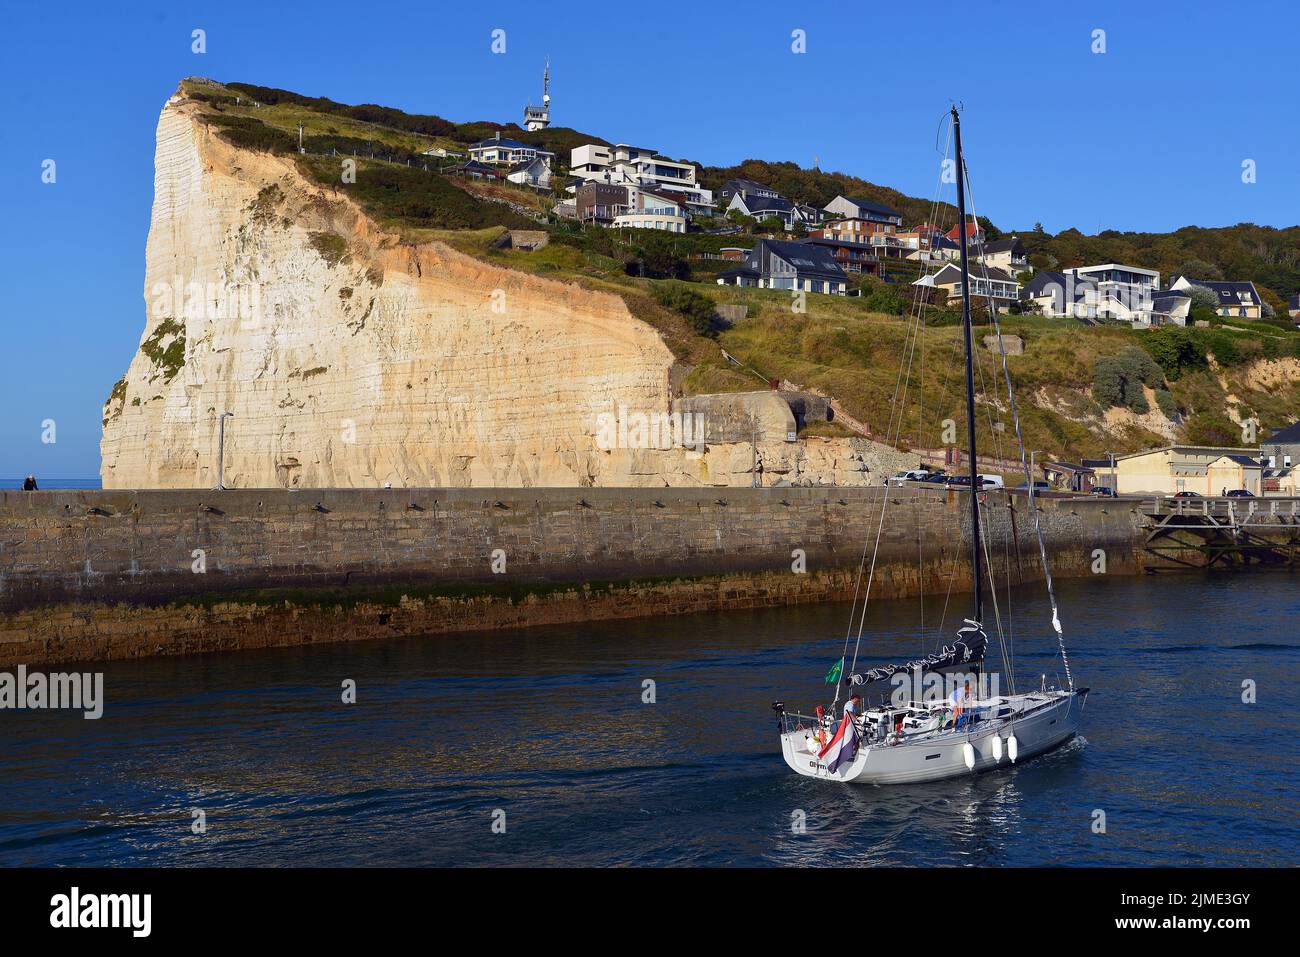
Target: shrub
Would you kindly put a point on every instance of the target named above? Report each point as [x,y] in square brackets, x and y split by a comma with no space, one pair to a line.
[1118,380]
[698,310]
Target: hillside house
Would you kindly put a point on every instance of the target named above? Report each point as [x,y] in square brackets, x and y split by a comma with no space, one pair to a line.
[635,166]
[1006,254]
[500,151]
[474,170]
[1293,306]
[975,234]
[1237,300]
[747,188]
[601,202]
[779,264]
[1282,448]
[535,172]
[986,283]
[1109,292]
[767,207]
[864,215]
[651,209]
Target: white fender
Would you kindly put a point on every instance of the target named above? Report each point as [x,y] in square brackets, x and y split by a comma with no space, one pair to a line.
[968,755]
[1012,747]
[997,748]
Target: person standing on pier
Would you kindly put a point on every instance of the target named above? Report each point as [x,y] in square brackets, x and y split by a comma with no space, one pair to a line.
[29,484]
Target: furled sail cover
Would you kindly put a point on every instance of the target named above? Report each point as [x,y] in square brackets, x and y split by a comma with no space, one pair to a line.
[968,649]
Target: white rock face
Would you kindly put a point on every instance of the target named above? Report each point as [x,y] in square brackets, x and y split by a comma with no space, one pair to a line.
[351,359]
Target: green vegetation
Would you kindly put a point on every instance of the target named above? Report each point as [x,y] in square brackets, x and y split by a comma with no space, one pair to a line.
[332,247]
[412,198]
[167,358]
[1118,380]
[699,310]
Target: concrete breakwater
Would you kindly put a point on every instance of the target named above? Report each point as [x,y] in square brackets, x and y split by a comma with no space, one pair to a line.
[87,575]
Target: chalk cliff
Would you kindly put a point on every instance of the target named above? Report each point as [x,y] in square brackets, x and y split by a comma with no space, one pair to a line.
[350,358]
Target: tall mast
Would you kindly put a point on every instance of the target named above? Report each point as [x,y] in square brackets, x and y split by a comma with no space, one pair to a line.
[975,487]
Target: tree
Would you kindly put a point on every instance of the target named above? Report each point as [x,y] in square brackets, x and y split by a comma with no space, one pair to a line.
[1200,269]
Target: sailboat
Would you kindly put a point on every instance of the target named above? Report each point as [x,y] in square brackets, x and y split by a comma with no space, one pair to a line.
[925,734]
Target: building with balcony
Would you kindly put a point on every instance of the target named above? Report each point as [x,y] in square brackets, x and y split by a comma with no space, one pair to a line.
[635,166]
[1006,254]
[501,151]
[649,209]
[869,216]
[986,283]
[1106,293]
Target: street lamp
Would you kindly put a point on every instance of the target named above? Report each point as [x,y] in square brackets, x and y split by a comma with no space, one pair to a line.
[221,448]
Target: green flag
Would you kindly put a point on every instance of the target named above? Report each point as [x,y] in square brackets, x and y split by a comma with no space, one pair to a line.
[833,675]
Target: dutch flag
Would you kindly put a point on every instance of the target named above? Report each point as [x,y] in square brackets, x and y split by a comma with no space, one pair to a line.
[842,747]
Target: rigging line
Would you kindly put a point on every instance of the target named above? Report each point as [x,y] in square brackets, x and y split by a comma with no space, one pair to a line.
[1011,631]
[1029,482]
[871,576]
[857,584]
[986,521]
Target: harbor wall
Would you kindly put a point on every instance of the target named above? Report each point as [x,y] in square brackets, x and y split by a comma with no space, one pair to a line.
[92,575]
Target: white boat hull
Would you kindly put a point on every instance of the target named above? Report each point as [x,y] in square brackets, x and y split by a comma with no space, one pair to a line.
[1050,719]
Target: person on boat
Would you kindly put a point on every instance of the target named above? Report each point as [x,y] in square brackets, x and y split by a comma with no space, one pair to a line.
[961,702]
[29,484]
[853,706]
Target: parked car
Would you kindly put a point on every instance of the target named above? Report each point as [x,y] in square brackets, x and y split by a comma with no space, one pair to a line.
[1240,493]
[1039,486]
[1104,491]
[1186,494]
[936,478]
[963,481]
[911,475]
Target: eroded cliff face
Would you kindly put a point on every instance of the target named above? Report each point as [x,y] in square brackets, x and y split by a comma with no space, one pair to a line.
[351,359]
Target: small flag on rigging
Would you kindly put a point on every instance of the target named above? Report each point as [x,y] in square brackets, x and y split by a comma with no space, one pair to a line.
[833,675]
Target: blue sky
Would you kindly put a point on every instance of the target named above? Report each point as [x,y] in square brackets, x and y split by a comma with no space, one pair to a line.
[1149,135]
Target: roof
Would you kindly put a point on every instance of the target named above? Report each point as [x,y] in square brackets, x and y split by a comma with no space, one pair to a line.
[805,257]
[1163,301]
[1244,460]
[508,144]
[1096,463]
[1068,467]
[1287,435]
[1229,293]
[764,203]
[739,271]
[1222,450]
[1003,246]
[1294,302]
[473,166]
[871,207]
[952,273]
[523,165]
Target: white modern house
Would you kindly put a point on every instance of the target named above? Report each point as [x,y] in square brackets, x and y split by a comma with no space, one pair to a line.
[639,167]
[1108,292]
[501,151]
[653,210]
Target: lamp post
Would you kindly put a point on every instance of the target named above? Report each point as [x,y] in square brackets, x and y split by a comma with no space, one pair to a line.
[221,448]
